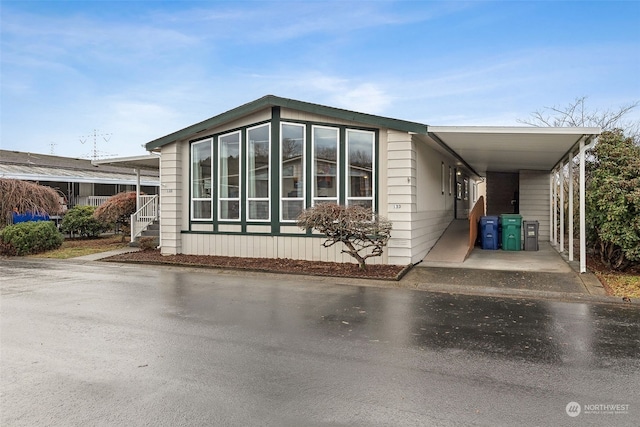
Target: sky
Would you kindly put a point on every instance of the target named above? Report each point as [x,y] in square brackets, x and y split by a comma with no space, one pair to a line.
[102,78]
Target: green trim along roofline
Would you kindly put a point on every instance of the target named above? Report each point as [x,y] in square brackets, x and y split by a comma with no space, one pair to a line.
[275,101]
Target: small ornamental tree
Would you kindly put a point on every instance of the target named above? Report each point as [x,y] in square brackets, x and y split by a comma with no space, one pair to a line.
[613,200]
[363,233]
[22,197]
[117,209]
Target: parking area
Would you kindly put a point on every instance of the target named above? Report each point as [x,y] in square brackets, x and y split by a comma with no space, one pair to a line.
[546,259]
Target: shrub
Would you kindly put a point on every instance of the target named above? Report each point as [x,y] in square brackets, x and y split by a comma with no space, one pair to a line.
[362,232]
[147,243]
[613,200]
[30,238]
[80,220]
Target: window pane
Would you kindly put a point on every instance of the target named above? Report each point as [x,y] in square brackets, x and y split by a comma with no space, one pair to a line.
[230,166]
[229,209]
[292,161]
[258,162]
[201,170]
[291,209]
[360,163]
[324,200]
[202,209]
[363,203]
[325,151]
[258,209]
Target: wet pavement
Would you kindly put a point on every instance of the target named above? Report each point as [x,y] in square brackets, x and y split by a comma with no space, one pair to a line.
[89,343]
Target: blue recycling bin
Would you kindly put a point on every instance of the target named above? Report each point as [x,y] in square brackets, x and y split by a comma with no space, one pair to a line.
[489,226]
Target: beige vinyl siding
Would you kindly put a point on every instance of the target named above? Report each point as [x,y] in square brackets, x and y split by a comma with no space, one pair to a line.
[258,228]
[171,201]
[257,117]
[202,227]
[419,211]
[287,114]
[435,210]
[534,200]
[253,246]
[401,204]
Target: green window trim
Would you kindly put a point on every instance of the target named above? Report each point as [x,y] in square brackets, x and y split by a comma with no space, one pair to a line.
[277,198]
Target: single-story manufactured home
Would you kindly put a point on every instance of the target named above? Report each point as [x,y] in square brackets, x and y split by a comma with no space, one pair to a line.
[234,184]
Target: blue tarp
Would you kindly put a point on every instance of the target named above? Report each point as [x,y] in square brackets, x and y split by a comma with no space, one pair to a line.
[29,216]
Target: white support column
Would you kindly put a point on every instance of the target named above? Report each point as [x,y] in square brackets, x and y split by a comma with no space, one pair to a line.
[571,206]
[552,237]
[561,210]
[137,189]
[583,235]
[554,224]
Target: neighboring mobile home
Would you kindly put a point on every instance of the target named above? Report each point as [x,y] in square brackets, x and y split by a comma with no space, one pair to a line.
[78,180]
[234,184]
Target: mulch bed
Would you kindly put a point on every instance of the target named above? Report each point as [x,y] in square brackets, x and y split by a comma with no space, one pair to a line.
[277,265]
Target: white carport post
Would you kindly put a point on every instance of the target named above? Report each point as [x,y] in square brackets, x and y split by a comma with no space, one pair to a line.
[583,236]
[137,189]
[561,210]
[132,226]
[570,206]
[554,212]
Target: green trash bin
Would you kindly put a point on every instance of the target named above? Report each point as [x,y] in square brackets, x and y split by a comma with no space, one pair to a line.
[511,232]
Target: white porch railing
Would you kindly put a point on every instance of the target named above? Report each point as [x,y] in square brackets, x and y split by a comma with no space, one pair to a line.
[94,201]
[144,216]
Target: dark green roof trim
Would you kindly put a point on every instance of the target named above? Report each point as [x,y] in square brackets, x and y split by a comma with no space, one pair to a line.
[275,101]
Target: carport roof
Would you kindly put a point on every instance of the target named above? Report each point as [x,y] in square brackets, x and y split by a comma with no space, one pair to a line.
[147,162]
[511,149]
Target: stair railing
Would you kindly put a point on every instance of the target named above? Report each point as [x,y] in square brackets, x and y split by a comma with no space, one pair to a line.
[143,217]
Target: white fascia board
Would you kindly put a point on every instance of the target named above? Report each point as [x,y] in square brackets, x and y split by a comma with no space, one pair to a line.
[516,130]
[147,161]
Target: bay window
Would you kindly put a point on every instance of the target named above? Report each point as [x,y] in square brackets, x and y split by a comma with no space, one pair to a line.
[316,163]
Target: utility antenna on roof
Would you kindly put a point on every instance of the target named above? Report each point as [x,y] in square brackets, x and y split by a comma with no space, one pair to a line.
[97,154]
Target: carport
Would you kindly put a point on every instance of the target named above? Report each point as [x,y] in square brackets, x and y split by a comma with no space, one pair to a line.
[541,158]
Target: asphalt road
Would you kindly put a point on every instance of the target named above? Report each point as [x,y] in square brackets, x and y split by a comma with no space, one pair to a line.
[99,344]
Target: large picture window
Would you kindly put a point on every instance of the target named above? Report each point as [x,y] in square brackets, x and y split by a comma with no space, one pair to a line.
[258,188]
[292,173]
[201,172]
[229,180]
[231,173]
[360,154]
[325,165]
